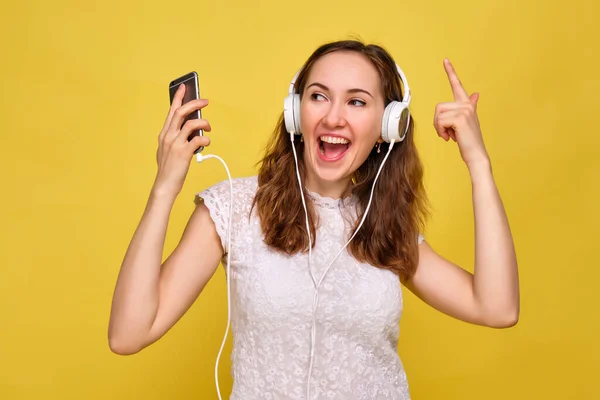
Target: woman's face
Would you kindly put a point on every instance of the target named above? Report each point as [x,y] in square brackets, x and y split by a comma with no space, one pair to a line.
[341,112]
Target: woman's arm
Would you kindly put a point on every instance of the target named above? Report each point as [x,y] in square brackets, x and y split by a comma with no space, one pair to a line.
[149,298]
[489,296]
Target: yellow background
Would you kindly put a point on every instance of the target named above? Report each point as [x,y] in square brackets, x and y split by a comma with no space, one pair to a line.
[83,97]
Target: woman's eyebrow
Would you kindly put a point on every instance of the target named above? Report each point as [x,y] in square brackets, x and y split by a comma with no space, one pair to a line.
[354,90]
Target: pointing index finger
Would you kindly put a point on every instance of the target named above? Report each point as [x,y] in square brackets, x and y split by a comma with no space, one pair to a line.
[458,90]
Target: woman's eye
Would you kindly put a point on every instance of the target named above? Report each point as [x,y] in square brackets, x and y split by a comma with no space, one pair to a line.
[317,96]
[358,103]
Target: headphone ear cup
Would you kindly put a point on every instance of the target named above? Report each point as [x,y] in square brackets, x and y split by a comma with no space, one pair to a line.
[385,135]
[297,103]
[396,118]
[288,113]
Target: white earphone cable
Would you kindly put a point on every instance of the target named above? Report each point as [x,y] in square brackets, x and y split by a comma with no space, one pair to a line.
[318,284]
[305,210]
[200,158]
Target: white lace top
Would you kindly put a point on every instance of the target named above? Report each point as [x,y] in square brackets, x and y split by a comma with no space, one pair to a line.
[357,319]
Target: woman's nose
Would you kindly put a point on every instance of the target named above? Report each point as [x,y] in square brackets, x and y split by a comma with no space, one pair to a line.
[335,116]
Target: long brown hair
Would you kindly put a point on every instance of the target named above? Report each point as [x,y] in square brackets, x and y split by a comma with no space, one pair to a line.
[399,209]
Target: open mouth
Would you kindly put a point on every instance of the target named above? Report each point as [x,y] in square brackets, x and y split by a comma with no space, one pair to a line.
[333,148]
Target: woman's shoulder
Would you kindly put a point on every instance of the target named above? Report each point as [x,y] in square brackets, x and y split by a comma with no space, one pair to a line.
[244,189]
[217,199]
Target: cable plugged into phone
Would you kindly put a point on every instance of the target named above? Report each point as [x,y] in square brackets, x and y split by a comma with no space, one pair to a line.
[200,158]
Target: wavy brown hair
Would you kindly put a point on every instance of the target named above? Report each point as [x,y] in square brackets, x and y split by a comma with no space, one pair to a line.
[399,209]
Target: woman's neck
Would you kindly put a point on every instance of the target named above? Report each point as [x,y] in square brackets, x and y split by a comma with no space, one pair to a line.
[334,190]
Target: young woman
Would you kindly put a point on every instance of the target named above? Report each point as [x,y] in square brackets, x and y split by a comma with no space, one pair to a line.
[312,318]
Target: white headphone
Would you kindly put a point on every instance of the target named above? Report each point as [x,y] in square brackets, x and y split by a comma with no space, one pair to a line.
[396,116]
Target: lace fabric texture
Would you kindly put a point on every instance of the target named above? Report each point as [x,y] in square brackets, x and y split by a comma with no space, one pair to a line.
[357,319]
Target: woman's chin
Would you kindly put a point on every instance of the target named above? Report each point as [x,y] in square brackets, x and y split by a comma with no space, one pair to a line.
[331,175]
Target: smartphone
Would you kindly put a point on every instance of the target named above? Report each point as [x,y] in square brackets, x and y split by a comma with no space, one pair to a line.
[192,92]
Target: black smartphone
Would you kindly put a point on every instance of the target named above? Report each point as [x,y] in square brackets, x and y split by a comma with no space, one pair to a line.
[192,92]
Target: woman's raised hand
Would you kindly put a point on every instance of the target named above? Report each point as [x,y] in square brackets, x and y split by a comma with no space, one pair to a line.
[175,152]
